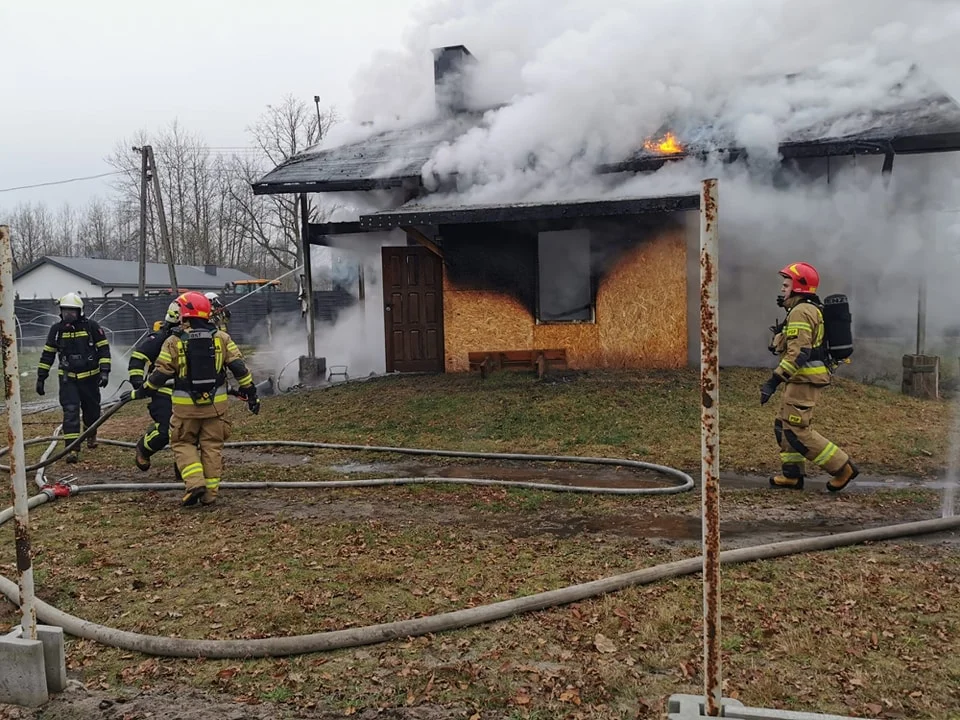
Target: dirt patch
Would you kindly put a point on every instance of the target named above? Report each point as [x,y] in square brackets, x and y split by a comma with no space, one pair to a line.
[80,703]
[743,523]
[491,666]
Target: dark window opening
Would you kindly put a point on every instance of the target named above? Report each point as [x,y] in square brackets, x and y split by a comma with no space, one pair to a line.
[564,283]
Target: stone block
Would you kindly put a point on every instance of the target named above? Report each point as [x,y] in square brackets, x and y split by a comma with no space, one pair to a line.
[312,370]
[23,678]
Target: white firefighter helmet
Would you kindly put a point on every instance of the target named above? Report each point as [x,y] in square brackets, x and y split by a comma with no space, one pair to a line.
[71,300]
[216,304]
[173,314]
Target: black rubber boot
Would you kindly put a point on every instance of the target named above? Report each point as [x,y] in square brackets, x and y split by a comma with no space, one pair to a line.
[192,496]
[141,458]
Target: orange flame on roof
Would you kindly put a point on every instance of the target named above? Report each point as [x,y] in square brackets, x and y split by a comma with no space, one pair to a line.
[668,145]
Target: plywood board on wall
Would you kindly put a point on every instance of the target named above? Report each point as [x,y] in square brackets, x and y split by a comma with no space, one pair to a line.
[642,306]
[641,316]
[477,321]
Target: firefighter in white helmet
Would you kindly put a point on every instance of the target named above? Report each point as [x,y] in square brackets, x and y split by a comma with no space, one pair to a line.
[83,358]
[220,312]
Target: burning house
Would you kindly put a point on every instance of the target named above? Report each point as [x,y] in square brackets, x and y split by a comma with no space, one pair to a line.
[606,280]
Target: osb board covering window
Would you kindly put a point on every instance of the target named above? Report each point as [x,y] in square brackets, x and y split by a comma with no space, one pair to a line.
[641,316]
[642,306]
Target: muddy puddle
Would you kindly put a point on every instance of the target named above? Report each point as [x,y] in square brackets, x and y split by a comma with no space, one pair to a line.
[677,527]
[742,523]
[599,476]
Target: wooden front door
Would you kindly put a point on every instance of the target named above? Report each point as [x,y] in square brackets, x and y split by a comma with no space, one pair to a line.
[413,309]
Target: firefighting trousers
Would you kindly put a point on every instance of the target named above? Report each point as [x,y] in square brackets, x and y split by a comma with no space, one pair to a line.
[79,397]
[798,441]
[158,435]
[197,445]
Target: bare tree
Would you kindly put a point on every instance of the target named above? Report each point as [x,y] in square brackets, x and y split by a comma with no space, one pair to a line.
[213,215]
[31,233]
[64,231]
[96,232]
[273,221]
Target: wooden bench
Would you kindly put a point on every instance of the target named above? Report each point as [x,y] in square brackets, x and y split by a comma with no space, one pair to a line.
[539,360]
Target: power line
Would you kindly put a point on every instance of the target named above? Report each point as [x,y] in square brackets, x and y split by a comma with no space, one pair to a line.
[63,182]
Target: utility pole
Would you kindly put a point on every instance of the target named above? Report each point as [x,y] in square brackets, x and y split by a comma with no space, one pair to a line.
[164,235]
[142,282]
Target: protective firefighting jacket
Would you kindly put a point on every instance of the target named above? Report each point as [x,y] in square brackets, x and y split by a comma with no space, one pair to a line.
[81,349]
[145,353]
[799,343]
[197,359]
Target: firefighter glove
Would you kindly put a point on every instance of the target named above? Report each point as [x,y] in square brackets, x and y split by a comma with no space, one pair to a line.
[135,394]
[136,381]
[145,390]
[104,379]
[254,404]
[40,382]
[769,388]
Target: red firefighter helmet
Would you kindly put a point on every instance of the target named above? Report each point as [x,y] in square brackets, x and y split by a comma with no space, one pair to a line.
[804,278]
[193,305]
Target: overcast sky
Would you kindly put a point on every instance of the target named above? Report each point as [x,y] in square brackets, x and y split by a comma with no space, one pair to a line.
[78,76]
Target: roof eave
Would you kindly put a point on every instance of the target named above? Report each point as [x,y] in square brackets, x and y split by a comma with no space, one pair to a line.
[531,211]
[265,187]
[46,259]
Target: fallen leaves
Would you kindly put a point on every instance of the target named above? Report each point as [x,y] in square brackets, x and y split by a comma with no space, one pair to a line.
[570,695]
[604,644]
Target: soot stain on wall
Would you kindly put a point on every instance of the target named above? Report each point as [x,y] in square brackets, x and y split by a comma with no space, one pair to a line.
[502,257]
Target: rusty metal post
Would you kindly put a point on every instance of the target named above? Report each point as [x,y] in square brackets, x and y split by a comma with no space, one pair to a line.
[308,277]
[18,475]
[710,445]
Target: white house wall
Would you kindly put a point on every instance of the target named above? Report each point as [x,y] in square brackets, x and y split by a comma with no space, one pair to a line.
[51,282]
[358,340]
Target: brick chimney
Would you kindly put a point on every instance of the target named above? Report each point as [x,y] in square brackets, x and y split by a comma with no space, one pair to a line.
[449,64]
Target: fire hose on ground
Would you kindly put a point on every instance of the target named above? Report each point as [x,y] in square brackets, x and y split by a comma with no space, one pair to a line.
[70,447]
[372,634]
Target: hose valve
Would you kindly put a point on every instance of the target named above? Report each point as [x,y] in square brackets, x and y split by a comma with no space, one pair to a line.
[58,489]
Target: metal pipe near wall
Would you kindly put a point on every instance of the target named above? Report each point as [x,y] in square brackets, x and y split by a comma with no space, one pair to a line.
[18,473]
[709,445]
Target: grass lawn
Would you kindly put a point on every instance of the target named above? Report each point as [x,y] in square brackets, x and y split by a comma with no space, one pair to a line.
[865,631]
[649,416]
[27,363]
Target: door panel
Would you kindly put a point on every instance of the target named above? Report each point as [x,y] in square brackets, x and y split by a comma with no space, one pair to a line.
[413,312]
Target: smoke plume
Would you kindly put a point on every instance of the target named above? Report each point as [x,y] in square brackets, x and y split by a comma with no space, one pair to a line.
[564,86]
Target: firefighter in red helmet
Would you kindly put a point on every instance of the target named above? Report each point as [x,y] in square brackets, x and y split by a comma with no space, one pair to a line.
[804,372]
[197,359]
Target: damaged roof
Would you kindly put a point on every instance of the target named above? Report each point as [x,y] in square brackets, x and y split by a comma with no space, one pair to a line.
[384,160]
[912,116]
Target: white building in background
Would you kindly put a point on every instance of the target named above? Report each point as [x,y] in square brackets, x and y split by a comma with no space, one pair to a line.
[51,277]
